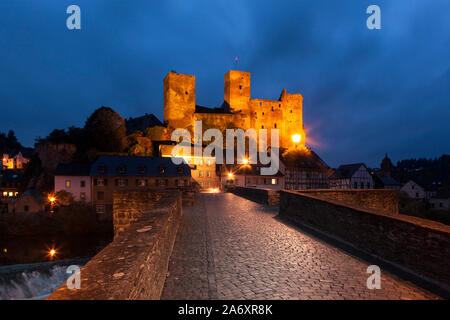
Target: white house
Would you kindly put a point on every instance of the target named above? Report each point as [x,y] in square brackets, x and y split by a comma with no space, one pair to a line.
[74,178]
[414,190]
[351,176]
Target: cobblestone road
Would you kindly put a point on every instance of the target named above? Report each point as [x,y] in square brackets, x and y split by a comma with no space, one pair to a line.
[228,247]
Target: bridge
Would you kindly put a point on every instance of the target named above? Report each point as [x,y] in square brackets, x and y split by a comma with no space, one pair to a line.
[226,246]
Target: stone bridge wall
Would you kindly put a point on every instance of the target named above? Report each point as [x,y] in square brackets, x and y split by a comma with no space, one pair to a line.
[419,245]
[134,265]
[375,200]
[265,196]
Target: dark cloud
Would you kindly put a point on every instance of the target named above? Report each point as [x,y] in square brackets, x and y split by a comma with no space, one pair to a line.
[365,92]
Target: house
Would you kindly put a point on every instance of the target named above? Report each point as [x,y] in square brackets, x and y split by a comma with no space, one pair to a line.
[441,200]
[385,181]
[351,176]
[13,161]
[304,169]
[10,183]
[116,173]
[414,190]
[74,178]
[249,175]
[31,201]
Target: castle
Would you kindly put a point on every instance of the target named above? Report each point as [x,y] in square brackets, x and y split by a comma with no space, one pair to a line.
[238,109]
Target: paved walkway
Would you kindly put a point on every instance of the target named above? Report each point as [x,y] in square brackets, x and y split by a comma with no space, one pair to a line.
[232,248]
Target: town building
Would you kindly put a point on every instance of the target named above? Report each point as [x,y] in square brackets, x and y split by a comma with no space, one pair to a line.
[351,176]
[414,190]
[385,181]
[116,173]
[249,175]
[31,201]
[13,161]
[74,178]
[441,200]
[304,169]
[10,184]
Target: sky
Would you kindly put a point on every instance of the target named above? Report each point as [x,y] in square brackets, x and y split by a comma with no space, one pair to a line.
[365,92]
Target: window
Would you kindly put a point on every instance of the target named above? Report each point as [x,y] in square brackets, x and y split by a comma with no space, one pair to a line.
[26,208]
[180,169]
[82,184]
[122,182]
[355,185]
[412,187]
[67,183]
[122,169]
[200,173]
[441,204]
[275,125]
[100,195]
[102,168]
[272,108]
[208,174]
[100,182]
[83,195]
[162,170]
[142,169]
[240,87]
[141,182]
[417,194]
[362,185]
[274,181]
[100,208]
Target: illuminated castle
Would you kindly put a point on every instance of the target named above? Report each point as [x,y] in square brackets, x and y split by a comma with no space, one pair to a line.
[238,109]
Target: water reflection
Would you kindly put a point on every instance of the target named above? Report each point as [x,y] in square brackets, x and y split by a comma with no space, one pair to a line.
[39,249]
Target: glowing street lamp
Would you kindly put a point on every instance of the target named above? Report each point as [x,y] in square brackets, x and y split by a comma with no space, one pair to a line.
[230,175]
[296,138]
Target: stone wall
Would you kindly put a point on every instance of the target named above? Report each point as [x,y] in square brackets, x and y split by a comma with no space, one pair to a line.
[374,200]
[129,206]
[135,264]
[419,245]
[265,196]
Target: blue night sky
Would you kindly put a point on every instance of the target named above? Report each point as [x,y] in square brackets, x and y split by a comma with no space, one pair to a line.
[366,92]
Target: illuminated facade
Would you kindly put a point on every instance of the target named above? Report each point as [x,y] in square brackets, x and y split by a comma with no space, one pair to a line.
[238,109]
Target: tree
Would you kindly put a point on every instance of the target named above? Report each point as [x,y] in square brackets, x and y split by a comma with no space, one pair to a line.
[106,130]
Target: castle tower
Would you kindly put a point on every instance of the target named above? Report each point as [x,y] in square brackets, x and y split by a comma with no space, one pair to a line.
[293,119]
[237,90]
[179,100]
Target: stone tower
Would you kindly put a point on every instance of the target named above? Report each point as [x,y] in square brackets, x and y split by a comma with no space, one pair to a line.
[237,90]
[292,118]
[179,99]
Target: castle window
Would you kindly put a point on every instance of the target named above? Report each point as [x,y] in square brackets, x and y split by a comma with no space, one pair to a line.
[272,108]
[291,111]
[260,104]
[186,92]
[275,125]
[279,105]
[262,127]
[240,87]
[263,113]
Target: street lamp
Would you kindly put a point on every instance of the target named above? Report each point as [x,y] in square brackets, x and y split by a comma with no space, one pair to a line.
[296,138]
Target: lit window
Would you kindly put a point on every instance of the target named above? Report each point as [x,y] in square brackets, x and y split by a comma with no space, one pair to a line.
[162,170]
[274,181]
[67,183]
[5,194]
[10,194]
[141,183]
